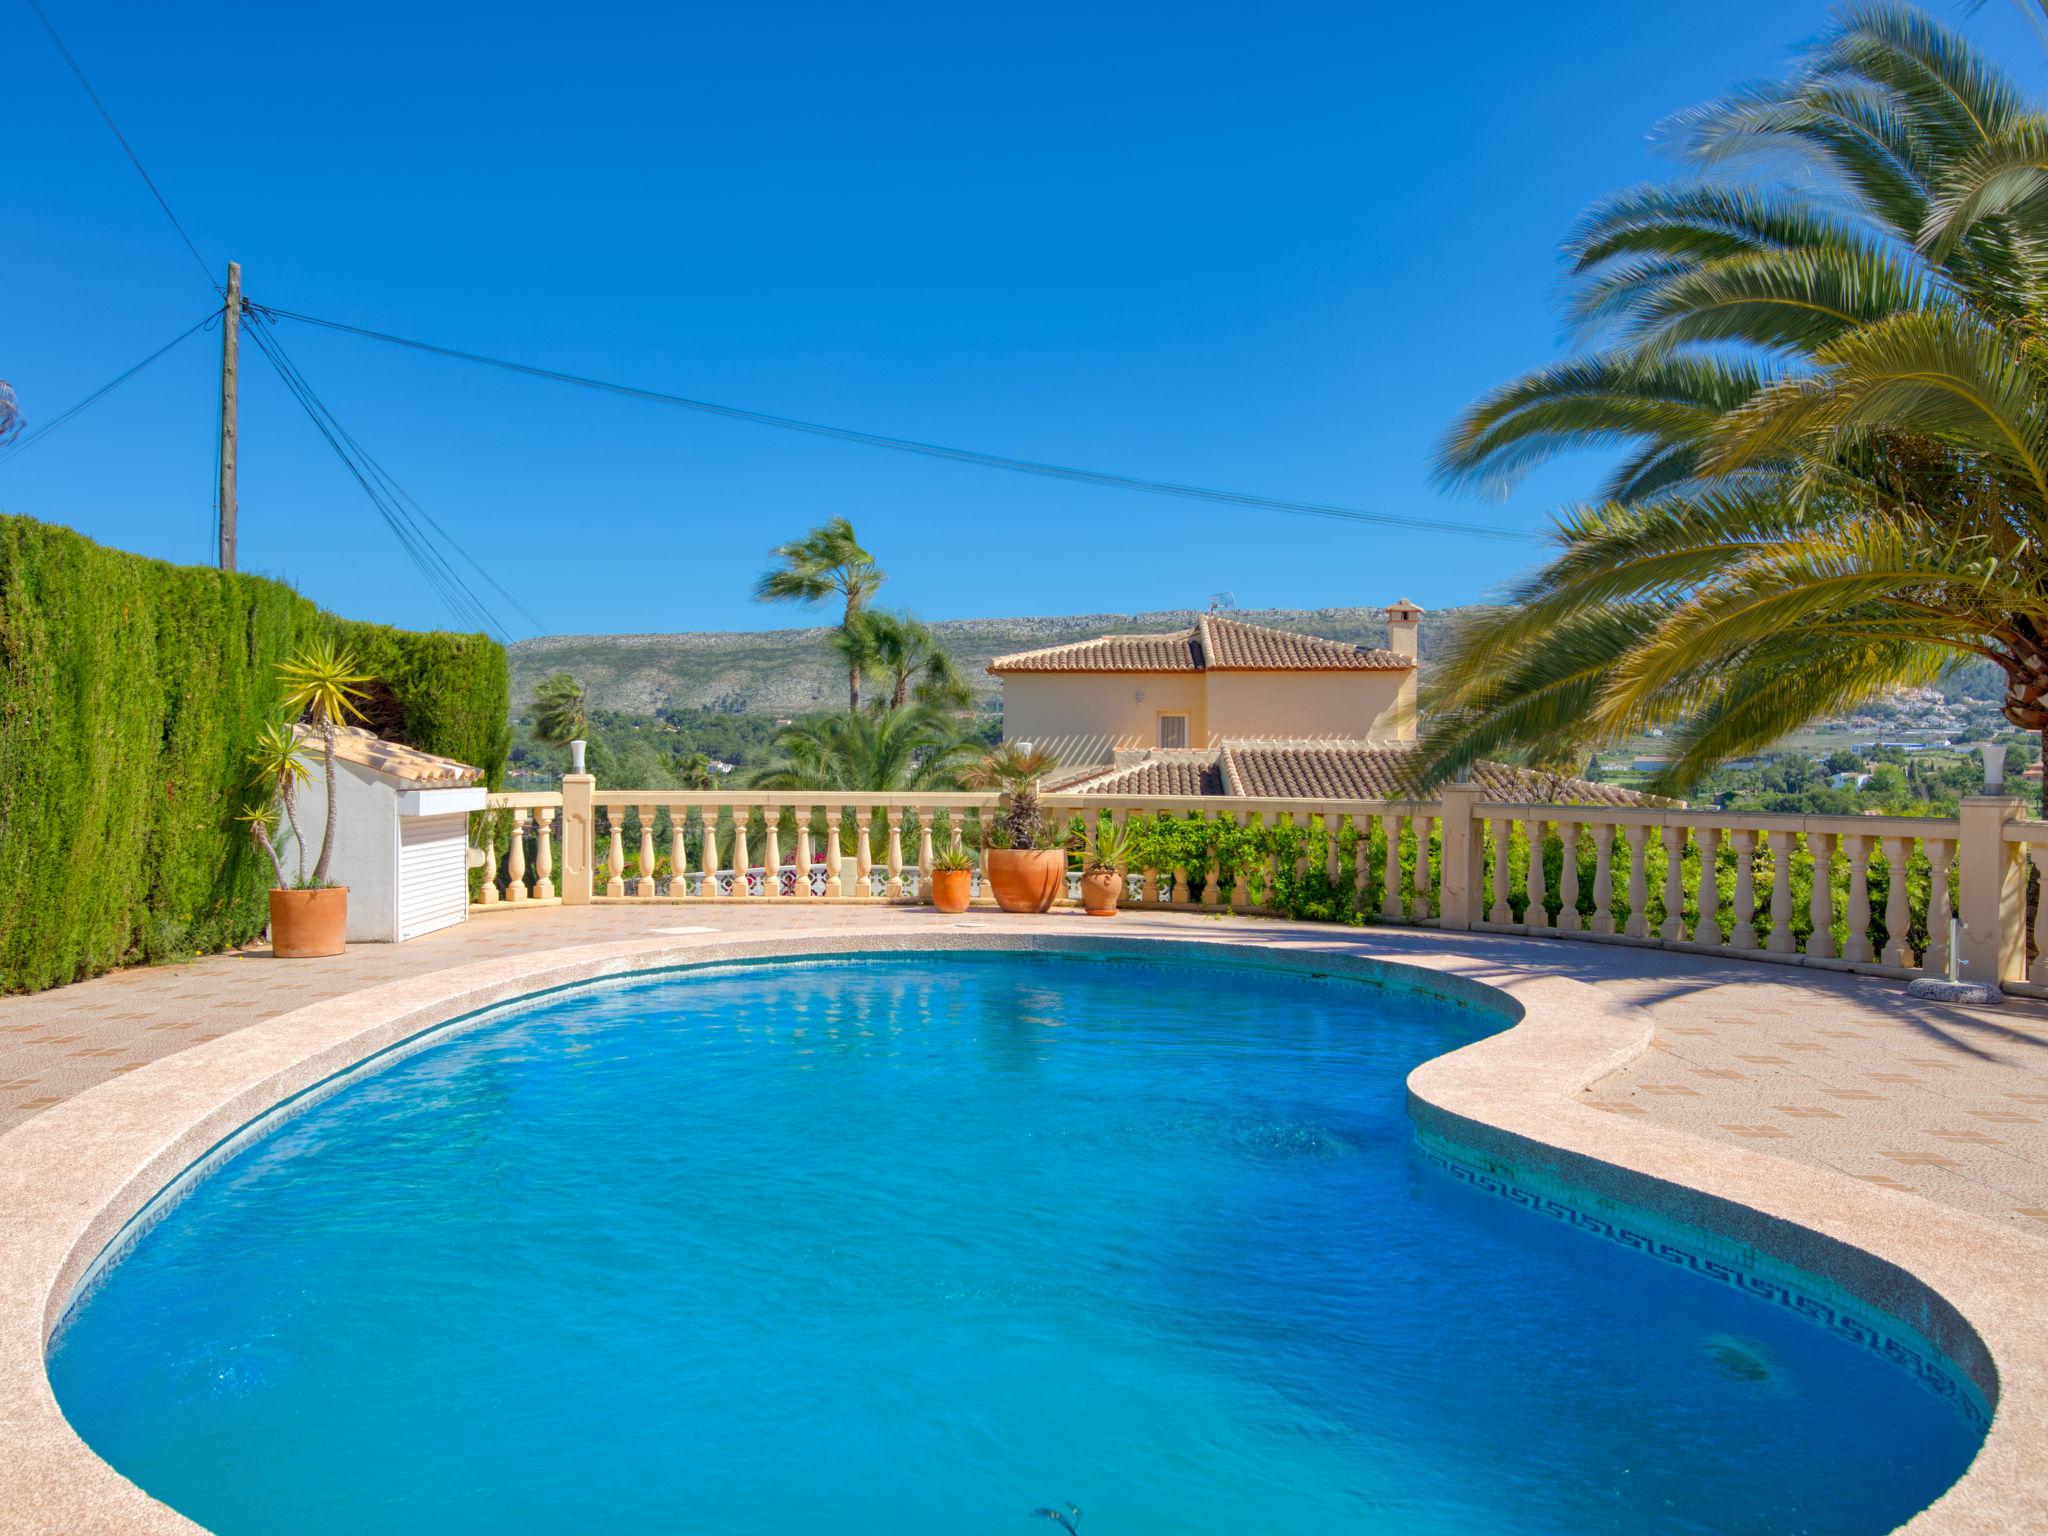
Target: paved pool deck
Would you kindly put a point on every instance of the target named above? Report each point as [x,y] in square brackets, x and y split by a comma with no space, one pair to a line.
[1936,1102]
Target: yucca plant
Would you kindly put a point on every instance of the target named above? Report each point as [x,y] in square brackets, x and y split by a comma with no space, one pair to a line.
[952,858]
[278,770]
[1824,358]
[1016,774]
[320,685]
[1109,848]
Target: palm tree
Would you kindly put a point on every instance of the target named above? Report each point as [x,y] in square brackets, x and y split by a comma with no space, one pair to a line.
[560,714]
[904,649]
[879,751]
[320,687]
[1016,773]
[692,770]
[1822,356]
[826,560]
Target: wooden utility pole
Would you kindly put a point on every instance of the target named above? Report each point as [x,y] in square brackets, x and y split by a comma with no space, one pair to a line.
[230,344]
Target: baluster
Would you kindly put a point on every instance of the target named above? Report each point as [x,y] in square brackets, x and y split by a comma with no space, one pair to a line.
[1782,941]
[742,860]
[894,850]
[1501,911]
[1941,854]
[544,854]
[1672,929]
[1708,929]
[678,852]
[1241,877]
[707,854]
[1898,911]
[802,889]
[1212,884]
[925,852]
[1743,933]
[771,875]
[1536,915]
[1857,949]
[1820,904]
[1568,919]
[1148,883]
[1391,907]
[1333,840]
[487,893]
[2038,853]
[1603,877]
[645,885]
[515,860]
[1425,883]
[956,826]
[1301,822]
[835,881]
[1638,925]
[863,852]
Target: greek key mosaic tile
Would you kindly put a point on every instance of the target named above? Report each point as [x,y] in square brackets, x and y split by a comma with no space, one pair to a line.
[1739,1268]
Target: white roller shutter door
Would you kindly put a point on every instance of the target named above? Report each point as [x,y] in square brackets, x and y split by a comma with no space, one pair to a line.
[433,873]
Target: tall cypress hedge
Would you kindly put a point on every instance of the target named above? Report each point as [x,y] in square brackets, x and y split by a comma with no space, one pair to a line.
[130,694]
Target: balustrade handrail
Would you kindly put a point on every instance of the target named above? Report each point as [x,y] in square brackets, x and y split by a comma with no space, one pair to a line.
[1736,821]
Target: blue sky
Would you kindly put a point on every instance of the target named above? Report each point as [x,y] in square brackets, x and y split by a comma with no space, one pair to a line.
[1273,249]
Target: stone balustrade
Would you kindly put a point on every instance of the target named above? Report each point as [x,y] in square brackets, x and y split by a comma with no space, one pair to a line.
[1872,894]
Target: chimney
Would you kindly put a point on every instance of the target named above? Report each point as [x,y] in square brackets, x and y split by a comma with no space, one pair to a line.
[1404,626]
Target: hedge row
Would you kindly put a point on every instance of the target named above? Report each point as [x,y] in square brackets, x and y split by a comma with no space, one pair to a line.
[130,691]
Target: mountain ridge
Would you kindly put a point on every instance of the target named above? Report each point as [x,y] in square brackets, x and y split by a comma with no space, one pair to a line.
[792,671]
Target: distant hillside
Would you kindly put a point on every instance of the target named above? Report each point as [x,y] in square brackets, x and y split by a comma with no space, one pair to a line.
[792,671]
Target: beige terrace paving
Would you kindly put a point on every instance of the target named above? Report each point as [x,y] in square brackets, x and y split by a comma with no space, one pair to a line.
[1943,1103]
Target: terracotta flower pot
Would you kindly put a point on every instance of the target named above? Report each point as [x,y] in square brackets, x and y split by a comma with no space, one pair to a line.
[304,924]
[1026,879]
[951,889]
[1101,890]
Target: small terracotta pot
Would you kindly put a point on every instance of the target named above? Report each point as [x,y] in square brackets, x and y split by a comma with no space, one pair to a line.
[1026,879]
[306,924]
[951,889]
[1101,890]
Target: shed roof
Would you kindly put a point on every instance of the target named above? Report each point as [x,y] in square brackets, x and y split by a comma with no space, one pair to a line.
[394,759]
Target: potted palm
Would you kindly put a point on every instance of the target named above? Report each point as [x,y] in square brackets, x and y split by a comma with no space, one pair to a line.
[1102,871]
[308,916]
[1024,855]
[952,878]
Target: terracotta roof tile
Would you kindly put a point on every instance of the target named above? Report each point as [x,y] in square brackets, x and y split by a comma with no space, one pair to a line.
[1215,644]
[1163,778]
[1348,771]
[354,745]
[1231,645]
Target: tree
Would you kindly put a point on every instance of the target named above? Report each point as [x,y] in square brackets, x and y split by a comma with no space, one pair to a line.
[826,560]
[320,687]
[1819,355]
[560,714]
[691,770]
[905,650]
[878,751]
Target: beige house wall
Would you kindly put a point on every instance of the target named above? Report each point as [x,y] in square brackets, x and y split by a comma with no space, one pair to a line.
[1358,706]
[1088,717]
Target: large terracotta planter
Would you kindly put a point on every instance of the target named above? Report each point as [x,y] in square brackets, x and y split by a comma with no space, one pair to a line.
[1101,890]
[306,924]
[1026,879]
[951,889]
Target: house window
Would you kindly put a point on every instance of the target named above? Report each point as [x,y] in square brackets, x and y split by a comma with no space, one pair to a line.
[1173,730]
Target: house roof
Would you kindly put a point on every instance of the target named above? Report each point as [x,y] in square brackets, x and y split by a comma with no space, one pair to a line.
[1215,644]
[1326,770]
[394,758]
[1352,771]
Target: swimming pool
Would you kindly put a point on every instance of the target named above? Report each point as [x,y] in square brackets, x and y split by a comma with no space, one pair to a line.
[919,1244]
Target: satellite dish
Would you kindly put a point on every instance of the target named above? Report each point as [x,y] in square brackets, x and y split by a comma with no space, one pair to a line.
[10,414]
[1222,602]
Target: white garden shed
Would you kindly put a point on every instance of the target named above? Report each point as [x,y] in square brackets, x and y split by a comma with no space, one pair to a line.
[401,844]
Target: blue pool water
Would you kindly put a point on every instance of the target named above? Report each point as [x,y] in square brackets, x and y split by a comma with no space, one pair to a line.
[914,1245]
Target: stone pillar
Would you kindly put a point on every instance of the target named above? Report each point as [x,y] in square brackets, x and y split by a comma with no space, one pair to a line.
[579,839]
[1461,872]
[1993,891]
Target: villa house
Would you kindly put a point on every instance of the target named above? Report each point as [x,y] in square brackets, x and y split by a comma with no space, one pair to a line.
[1230,708]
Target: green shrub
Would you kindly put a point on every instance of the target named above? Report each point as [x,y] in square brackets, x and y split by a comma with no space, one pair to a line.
[130,693]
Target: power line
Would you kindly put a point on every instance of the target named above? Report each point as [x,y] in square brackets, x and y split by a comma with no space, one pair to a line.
[32,438]
[432,565]
[929,450]
[126,148]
